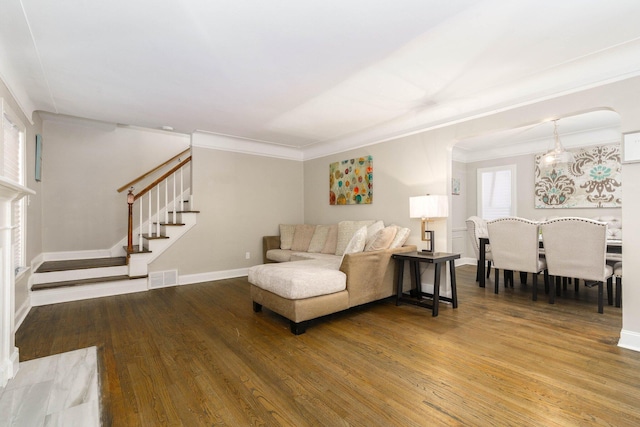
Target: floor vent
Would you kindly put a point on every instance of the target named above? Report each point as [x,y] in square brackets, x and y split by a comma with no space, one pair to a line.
[161,279]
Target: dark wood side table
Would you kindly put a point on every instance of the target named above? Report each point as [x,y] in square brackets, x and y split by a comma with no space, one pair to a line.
[414,259]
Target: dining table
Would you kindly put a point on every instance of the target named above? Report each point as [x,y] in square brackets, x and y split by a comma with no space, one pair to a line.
[614,246]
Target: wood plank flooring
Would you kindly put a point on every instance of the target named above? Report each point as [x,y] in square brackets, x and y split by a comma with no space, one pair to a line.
[197,355]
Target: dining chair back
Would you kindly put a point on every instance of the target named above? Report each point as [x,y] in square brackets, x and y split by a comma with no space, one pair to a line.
[477,228]
[577,247]
[515,244]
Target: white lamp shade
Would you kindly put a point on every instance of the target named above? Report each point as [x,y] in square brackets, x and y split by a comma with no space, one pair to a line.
[429,206]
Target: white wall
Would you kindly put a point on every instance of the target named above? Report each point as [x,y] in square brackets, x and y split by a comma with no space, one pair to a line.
[459,212]
[241,197]
[83,165]
[405,167]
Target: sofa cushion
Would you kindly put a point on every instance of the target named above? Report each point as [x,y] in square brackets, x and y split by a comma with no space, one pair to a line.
[285,255]
[286,235]
[381,240]
[346,230]
[302,237]
[402,234]
[301,256]
[332,240]
[279,255]
[319,238]
[300,279]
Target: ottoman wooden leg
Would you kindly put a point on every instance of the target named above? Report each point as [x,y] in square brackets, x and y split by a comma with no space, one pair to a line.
[298,328]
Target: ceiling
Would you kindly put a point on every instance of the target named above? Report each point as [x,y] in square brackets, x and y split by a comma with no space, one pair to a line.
[308,74]
[578,130]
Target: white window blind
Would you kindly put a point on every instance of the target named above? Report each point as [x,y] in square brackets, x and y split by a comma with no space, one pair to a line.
[496,192]
[12,164]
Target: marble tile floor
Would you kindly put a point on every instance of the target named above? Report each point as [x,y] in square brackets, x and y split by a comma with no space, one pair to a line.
[58,390]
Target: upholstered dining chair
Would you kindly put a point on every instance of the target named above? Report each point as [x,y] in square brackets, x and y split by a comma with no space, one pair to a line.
[577,247]
[477,228]
[515,247]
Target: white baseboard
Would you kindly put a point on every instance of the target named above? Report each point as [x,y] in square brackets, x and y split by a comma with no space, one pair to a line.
[61,256]
[629,340]
[212,275]
[21,313]
[466,261]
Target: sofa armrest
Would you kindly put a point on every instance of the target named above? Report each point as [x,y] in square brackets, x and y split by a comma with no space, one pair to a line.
[269,242]
[370,275]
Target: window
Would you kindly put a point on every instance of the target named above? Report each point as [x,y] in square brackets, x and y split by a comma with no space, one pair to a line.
[12,168]
[497,192]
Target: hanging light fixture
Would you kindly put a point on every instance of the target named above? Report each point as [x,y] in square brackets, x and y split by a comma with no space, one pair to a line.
[558,154]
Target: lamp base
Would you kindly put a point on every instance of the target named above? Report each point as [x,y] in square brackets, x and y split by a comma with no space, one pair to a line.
[428,236]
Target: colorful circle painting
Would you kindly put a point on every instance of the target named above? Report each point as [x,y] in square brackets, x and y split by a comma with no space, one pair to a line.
[351,181]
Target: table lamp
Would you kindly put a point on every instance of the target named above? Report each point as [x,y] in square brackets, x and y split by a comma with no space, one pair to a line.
[426,208]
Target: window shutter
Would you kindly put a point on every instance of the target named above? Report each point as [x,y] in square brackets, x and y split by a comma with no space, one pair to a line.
[13,169]
[496,195]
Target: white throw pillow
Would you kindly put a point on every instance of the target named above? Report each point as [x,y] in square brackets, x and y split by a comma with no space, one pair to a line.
[286,235]
[346,230]
[402,234]
[357,242]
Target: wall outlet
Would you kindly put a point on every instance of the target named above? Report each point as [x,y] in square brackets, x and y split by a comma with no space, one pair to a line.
[247,255]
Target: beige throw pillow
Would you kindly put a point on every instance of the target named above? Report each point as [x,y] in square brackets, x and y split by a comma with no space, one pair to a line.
[402,234]
[373,229]
[302,237]
[382,239]
[319,238]
[286,235]
[332,240]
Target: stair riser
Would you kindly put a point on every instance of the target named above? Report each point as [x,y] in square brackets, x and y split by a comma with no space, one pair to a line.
[89,273]
[178,217]
[97,290]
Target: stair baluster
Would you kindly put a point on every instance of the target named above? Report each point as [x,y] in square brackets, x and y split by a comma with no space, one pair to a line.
[140,240]
[157,210]
[181,191]
[173,220]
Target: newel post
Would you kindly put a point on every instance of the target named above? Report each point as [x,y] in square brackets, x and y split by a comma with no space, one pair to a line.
[130,200]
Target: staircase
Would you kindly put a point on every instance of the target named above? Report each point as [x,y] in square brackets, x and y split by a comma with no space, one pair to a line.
[162,218]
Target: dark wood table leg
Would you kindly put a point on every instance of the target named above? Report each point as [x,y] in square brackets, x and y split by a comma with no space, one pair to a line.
[436,289]
[416,278]
[399,279]
[454,291]
[481,263]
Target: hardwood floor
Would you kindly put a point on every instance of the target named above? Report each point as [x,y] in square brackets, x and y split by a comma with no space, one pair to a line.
[197,355]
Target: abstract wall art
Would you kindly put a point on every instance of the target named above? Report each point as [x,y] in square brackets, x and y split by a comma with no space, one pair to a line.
[351,181]
[593,181]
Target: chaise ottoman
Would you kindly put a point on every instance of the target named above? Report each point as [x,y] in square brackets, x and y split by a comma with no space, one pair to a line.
[300,290]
